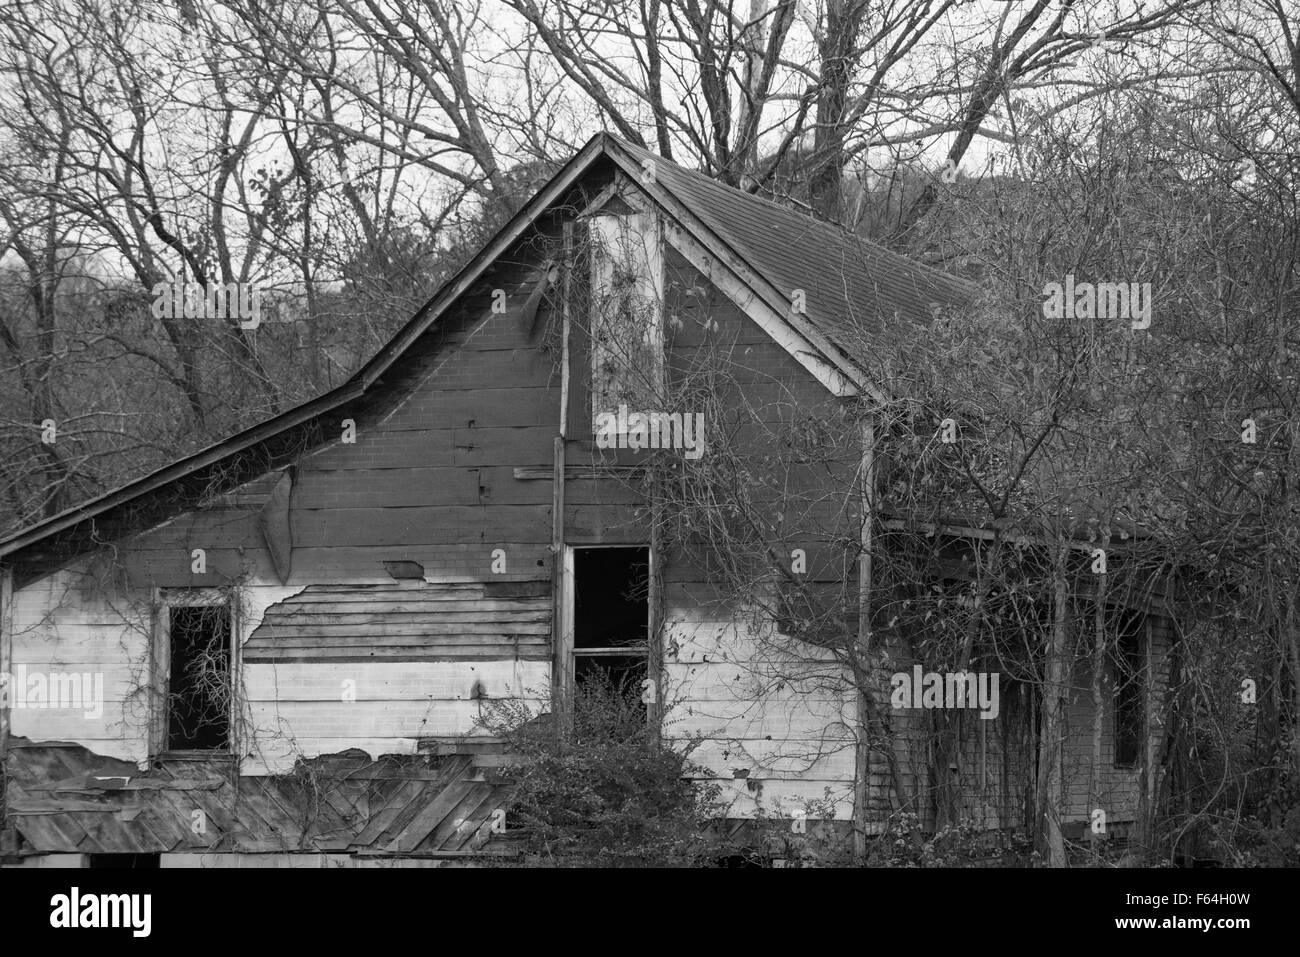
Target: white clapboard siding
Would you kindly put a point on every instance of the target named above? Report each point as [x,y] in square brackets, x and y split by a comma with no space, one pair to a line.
[729,681]
[395,681]
[776,798]
[64,624]
[830,760]
[693,641]
[757,703]
[307,722]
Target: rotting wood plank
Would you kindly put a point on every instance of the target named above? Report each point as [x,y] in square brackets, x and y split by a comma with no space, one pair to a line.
[477,621]
[416,525]
[430,602]
[582,473]
[400,799]
[409,837]
[163,823]
[471,644]
[50,833]
[465,815]
[65,833]
[433,591]
[490,407]
[408,813]
[74,786]
[253,812]
[156,836]
[455,642]
[400,606]
[303,656]
[110,836]
[19,806]
[493,799]
[427,629]
[374,636]
[275,806]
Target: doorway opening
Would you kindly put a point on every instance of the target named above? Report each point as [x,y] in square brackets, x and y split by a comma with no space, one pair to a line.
[611,615]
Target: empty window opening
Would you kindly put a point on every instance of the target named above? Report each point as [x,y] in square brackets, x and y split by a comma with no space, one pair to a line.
[627,337]
[198,699]
[611,615]
[1129,688]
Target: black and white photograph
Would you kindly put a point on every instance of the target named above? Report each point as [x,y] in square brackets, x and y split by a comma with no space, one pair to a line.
[490,436]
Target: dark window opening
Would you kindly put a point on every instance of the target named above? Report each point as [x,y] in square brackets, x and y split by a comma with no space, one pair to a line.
[142,861]
[198,712]
[611,615]
[1129,688]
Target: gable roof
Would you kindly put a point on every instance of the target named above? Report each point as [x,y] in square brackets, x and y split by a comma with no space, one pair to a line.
[852,288]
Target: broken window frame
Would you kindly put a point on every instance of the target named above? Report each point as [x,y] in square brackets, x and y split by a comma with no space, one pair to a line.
[626,264]
[160,705]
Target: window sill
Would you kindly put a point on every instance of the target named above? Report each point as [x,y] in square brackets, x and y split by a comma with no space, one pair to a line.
[194,755]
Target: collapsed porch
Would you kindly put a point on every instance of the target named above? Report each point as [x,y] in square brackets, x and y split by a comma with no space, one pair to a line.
[443,803]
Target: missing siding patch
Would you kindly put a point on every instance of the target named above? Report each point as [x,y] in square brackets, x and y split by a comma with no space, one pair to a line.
[405,571]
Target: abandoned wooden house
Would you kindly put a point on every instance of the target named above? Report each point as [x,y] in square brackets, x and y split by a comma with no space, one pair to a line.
[281,648]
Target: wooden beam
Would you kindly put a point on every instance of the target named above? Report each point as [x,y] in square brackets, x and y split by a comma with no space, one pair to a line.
[561,638]
[6,654]
[159,664]
[655,600]
[580,472]
[988,534]
[862,656]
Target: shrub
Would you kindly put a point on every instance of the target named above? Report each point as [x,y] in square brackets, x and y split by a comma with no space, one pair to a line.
[607,792]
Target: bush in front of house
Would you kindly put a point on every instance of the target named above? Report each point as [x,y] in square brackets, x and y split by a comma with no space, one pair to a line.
[607,792]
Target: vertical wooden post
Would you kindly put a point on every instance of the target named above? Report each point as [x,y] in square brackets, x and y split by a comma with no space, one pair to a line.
[6,654]
[159,667]
[8,836]
[862,662]
[655,645]
[1152,736]
[561,634]
[238,600]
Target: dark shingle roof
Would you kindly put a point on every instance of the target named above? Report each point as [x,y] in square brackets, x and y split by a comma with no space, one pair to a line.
[855,289]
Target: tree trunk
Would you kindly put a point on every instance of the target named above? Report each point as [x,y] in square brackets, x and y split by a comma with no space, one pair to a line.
[1050,841]
[1098,704]
[836,49]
